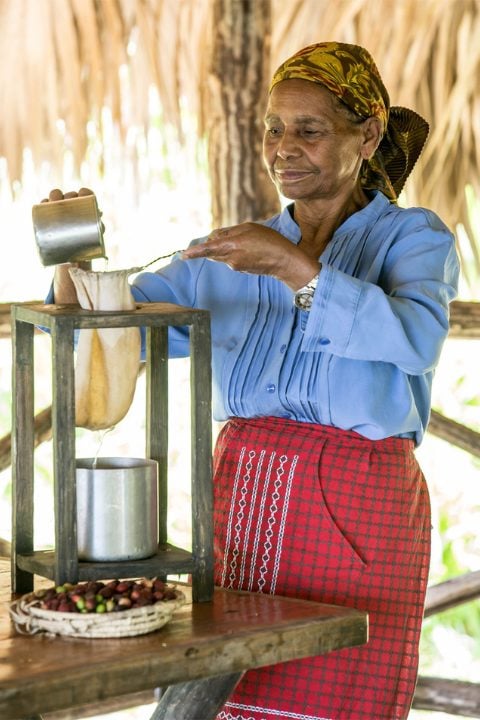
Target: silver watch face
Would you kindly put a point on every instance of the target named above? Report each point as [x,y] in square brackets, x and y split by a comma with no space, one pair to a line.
[303,300]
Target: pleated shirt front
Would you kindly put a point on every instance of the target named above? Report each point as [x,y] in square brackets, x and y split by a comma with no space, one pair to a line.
[362,359]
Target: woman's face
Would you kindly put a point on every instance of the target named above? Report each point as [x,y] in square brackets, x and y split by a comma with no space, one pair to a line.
[311,149]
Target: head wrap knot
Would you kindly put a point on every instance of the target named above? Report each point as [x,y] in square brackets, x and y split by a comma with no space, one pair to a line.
[350,73]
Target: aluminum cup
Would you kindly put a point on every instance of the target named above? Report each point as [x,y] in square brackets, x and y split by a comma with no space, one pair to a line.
[68,230]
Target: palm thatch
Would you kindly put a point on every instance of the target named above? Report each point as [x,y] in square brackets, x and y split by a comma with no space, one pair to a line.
[66,62]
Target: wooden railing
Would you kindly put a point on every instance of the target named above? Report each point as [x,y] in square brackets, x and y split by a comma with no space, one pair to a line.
[455,697]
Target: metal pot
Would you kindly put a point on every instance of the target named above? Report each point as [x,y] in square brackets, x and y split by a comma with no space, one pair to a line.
[68,230]
[117,508]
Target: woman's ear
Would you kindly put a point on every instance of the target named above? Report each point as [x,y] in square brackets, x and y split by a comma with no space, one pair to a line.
[372,135]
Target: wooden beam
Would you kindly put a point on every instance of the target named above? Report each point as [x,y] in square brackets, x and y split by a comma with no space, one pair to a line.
[455,697]
[454,433]
[452,592]
[42,431]
[465,320]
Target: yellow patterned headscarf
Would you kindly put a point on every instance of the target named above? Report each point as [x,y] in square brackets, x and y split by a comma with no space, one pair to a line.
[350,73]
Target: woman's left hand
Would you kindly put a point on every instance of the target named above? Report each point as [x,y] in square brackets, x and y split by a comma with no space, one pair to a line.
[254,248]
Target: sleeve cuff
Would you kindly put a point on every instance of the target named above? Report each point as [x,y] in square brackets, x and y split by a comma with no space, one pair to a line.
[329,324]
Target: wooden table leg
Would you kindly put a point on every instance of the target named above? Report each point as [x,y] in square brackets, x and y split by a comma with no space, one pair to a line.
[197,699]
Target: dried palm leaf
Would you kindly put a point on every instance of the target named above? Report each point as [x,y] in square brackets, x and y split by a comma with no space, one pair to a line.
[65,61]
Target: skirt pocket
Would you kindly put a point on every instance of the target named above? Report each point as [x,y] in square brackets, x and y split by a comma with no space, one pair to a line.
[341,516]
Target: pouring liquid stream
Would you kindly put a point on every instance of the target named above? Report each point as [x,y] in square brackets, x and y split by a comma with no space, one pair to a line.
[101,438]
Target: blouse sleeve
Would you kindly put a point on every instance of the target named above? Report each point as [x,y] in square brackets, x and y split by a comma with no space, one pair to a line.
[402,317]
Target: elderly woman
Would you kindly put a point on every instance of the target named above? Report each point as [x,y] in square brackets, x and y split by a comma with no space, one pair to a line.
[327,323]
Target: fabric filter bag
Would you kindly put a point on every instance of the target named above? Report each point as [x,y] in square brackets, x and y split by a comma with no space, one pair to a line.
[108,359]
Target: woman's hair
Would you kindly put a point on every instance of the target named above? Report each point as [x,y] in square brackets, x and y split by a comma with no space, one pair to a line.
[350,115]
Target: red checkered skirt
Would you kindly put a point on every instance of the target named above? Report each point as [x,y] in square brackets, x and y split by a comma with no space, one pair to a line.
[313,512]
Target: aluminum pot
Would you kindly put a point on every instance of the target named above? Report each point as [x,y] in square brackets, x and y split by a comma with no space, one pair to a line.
[117,508]
[68,230]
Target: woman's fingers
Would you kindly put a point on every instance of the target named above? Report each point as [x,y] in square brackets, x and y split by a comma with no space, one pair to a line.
[57,194]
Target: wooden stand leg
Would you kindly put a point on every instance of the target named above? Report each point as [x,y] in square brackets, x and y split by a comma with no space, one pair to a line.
[196,700]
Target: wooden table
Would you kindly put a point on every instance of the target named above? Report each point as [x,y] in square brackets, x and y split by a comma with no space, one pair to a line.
[210,643]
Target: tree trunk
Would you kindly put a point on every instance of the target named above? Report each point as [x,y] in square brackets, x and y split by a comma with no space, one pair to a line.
[238,83]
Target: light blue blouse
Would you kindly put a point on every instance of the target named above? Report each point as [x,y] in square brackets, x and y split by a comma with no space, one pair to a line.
[362,359]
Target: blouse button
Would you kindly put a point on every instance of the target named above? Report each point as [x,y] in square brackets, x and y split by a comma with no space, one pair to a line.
[270,388]
[324,341]
[283,348]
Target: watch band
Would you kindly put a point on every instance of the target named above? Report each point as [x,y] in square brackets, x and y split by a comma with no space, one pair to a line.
[303,298]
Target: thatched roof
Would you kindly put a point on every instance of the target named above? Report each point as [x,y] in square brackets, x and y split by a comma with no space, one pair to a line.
[65,61]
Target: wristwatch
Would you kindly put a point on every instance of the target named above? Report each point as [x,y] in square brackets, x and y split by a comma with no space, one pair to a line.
[303,298]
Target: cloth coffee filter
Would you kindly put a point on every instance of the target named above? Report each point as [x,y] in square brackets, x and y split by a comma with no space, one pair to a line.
[108,359]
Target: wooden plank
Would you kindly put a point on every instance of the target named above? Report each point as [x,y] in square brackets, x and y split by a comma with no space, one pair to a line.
[234,632]
[455,697]
[169,560]
[452,592]
[144,314]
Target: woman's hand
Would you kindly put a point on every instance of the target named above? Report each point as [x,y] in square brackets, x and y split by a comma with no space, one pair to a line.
[257,249]
[57,194]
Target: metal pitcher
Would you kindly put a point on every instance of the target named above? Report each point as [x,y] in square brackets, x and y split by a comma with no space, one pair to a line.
[68,230]
[117,508]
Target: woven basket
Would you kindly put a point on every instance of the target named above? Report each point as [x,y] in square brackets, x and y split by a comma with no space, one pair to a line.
[30,619]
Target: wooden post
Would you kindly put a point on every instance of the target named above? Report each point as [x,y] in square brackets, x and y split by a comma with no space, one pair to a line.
[157,417]
[22,451]
[64,464]
[238,82]
[201,444]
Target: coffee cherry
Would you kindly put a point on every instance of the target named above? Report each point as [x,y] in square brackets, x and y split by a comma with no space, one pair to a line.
[100,597]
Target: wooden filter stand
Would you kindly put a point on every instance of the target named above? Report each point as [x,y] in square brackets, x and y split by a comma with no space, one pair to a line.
[62,564]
